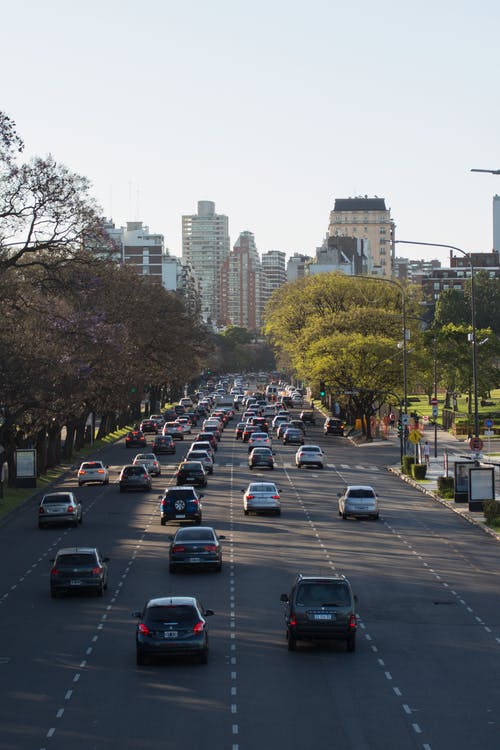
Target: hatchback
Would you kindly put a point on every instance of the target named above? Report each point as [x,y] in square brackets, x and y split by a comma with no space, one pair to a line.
[202,445]
[134,477]
[78,569]
[59,507]
[238,432]
[135,439]
[181,504]
[261,497]
[150,461]
[195,547]
[93,471]
[149,425]
[320,608]
[204,436]
[170,626]
[333,426]
[358,500]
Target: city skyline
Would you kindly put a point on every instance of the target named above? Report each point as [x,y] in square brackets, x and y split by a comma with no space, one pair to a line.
[272,112]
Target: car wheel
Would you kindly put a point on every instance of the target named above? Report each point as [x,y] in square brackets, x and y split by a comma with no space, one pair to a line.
[292,641]
[251,466]
[246,512]
[351,644]
[162,521]
[80,484]
[140,658]
[344,516]
[375,517]
[75,524]
[320,466]
[299,466]
[197,522]
[278,512]
[107,481]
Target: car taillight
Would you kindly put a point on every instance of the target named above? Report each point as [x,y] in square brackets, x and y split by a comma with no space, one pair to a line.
[96,571]
[275,497]
[81,472]
[198,628]
[100,471]
[352,621]
[143,628]
[54,572]
[41,509]
[70,509]
[250,497]
[292,621]
[210,548]
[178,548]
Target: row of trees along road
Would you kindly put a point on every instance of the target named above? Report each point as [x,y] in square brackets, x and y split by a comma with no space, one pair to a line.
[347,332]
[79,334]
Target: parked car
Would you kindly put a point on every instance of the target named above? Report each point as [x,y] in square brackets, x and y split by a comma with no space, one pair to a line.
[195,547]
[134,477]
[181,504]
[308,417]
[334,426]
[135,439]
[261,497]
[309,455]
[192,473]
[150,461]
[93,471]
[320,608]
[261,457]
[163,444]
[78,569]
[59,508]
[172,625]
[358,500]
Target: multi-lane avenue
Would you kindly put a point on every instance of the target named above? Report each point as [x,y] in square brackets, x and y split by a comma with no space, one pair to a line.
[425,673]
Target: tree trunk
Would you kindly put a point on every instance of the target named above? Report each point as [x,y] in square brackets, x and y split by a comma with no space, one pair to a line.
[41,452]
[80,431]
[54,445]
[70,439]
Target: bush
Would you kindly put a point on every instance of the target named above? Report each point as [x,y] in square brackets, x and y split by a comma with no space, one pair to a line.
[408,462]
[446,487]
[418,471]
[491,510]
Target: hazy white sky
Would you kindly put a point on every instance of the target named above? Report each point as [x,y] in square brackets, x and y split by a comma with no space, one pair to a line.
[270,108]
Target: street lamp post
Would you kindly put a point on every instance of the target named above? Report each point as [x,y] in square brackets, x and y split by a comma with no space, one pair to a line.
[473,319]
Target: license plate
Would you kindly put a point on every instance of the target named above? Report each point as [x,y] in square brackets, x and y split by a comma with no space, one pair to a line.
[180,516]
[171,634]
[323,617]
[75,583]
[194,559]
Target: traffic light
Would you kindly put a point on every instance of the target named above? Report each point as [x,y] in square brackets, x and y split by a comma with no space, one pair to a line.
[322,389]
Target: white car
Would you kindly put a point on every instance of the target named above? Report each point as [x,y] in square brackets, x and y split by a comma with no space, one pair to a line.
[150,461]
[258,439]
[185,423]
[93,471]
[261,497]
[358,500]
[309,455]
[204,456]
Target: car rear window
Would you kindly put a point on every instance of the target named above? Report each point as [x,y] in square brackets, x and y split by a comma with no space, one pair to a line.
[323,594]
[92,465]
[183,494]
[134,471]
[194,534]
[361,493]
[174,615]
[75,560]
[56,499]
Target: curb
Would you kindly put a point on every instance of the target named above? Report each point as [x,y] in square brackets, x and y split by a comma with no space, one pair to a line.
[493,534]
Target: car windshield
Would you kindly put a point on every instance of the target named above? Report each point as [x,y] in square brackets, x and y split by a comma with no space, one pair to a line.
[360,493]
[75,560]
[145,457]
[173,615]
[323,594]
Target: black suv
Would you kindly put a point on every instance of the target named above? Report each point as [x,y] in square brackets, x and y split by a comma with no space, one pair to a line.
[181,504]
[307,417]
[320,608]
[333,426]
[77,569]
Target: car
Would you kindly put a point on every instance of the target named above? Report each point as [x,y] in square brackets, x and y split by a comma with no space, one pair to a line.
[185,423]
[180,410]
[279,419]
[150,461]
[159,419]
[195,547]
[202,445]
[186,402]
[174,429]
[193,417]
[261,457]
[320,608]
[334,426]
[299,424]
[191,472]
[149,425]
[297,400]
[78,569]
[135,439]
[309,455]
[207,436]
[308,417]
[172,626]
[247,431]
[358,500]
[163,444]
[261,422]
[181,504]
[292,435]
[93,471]
[203,456]
[59,508]
[261,497]
[213,429]
[282,427]
[238,432]
[258,438]
[134,477]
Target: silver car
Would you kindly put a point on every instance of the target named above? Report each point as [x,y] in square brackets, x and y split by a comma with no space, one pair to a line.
[59,507]
[203,456]
[261,497]
[93,471]
[309,455]
[358,500]
[150,461]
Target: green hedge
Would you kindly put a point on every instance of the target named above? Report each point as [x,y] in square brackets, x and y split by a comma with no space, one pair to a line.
[491,510]
[408,462]
[418,471]
[446,487]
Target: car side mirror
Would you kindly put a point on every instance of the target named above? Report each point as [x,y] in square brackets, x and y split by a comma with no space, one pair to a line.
[284,598]
[209,612]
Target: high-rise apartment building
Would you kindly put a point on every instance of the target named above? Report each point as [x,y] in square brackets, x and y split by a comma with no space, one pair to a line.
[296,266]
[143,249]
[367,219]
[241,285]
[205,246]
[496,222]
[273,273]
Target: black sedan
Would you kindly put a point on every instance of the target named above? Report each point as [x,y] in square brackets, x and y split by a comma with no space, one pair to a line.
[163,444]
[198,547]
[192,473]
[261,457]
[170,626]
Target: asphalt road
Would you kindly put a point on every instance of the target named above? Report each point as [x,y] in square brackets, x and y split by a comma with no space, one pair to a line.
[426,672]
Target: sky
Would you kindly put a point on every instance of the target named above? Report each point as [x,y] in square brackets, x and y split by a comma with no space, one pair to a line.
[271,108]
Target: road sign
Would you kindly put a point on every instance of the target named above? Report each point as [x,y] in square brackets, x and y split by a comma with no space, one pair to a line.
[489,433]
[414,437]
[405,419]
[434,402]
[476,444]
[488,423]
[435,411]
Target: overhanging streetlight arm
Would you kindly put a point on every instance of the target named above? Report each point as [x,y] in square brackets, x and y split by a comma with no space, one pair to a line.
[490,171]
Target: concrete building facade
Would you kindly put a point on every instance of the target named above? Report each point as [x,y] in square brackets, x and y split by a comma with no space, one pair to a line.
[273,273]
[240,288]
